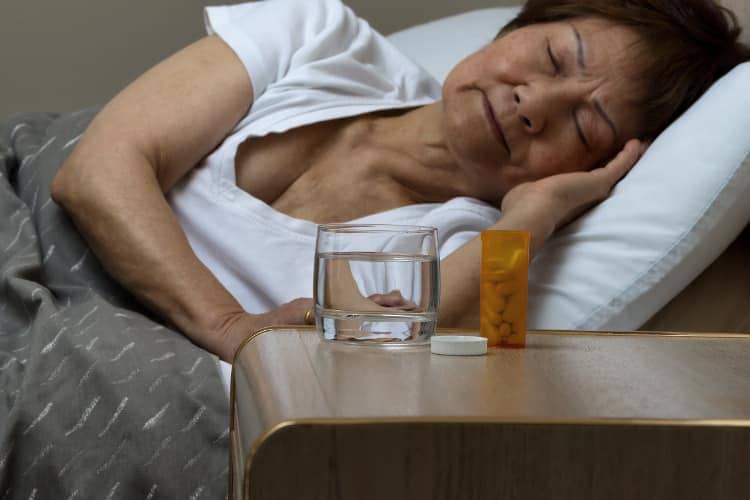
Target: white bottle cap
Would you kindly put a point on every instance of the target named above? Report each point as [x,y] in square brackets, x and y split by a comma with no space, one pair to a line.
[458,345]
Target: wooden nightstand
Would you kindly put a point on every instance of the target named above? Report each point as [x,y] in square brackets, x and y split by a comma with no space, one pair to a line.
[574,415]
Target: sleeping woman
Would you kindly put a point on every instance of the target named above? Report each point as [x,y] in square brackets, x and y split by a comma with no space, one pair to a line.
[199,186]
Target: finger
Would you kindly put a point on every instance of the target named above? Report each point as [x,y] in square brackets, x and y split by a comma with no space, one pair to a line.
[409,305]
[293,313]
[390,299]
[602,180]
[396,300]
[393,299]
[386,300]
[622,163]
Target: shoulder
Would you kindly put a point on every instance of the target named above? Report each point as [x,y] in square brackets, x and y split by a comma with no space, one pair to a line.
[272,37]
[308,14]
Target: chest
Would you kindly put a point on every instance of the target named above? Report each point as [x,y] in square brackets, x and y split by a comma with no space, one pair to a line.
[327,172]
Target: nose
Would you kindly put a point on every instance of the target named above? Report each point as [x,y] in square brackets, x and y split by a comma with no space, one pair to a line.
[537,104]
[523,111]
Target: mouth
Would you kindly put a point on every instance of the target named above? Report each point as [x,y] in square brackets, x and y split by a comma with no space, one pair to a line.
[494,124]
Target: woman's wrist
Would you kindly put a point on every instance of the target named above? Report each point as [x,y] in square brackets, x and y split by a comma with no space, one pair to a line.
[538,219]
[232,330]
[223,332]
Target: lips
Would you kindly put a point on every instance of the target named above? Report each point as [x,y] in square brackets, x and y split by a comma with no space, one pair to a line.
[494,124]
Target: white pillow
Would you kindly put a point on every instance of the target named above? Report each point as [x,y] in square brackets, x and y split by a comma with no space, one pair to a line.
[680,207]
[438,45]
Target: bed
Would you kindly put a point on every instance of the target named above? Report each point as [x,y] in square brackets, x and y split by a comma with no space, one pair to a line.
[99,399]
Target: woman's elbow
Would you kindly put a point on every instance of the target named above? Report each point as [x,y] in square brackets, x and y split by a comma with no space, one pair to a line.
[61,189]
[75,183]
[83,178]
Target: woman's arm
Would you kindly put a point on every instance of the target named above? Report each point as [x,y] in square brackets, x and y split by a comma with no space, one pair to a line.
[538,207]
[136,149]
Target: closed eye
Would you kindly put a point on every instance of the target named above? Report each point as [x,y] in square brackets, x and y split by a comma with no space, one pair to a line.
[552,58]
[579,130]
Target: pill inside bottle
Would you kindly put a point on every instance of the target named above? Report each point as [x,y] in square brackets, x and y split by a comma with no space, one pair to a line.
[504,285]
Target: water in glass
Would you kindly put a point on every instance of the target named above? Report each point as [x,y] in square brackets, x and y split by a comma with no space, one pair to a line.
[382,296]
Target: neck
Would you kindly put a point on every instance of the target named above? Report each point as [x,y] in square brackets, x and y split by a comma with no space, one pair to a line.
[418,158]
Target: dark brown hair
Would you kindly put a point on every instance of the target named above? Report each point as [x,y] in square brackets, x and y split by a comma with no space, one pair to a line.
[689,44]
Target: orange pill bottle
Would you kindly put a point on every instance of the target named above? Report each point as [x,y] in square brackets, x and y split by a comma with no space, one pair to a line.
[504,287]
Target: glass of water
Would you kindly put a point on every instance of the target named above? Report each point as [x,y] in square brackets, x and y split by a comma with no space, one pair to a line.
[376,283]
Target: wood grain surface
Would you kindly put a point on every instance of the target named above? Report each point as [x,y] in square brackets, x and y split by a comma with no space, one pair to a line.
[450,461]
[574,415]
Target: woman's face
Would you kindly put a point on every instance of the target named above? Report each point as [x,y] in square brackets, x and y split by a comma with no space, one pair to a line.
[541,100]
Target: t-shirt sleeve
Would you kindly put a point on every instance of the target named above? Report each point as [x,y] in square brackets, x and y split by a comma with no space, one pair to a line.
[271,37]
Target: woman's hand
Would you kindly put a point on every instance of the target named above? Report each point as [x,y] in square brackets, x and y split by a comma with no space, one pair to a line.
[559,199]
[239,326]
[394,300]
[537,207]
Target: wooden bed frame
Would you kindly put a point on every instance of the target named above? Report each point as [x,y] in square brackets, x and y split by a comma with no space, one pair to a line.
[716,301]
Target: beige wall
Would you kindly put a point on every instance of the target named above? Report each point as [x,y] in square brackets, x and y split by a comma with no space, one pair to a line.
[65,55]
[742,9]
[70,54]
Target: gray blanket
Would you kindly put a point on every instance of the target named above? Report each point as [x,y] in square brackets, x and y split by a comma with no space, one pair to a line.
[97,399]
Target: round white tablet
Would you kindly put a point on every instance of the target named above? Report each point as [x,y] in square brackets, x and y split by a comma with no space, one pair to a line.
[458,345]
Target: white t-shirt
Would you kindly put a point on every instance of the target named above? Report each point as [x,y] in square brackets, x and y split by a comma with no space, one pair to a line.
[309,61]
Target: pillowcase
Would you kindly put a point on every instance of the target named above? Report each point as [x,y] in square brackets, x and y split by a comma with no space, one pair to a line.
[439,45]
[674,213]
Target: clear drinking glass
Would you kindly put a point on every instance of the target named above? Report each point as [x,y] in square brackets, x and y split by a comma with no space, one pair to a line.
[376,283]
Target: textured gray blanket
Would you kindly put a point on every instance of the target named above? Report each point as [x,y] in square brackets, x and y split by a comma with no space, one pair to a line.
[97,400]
